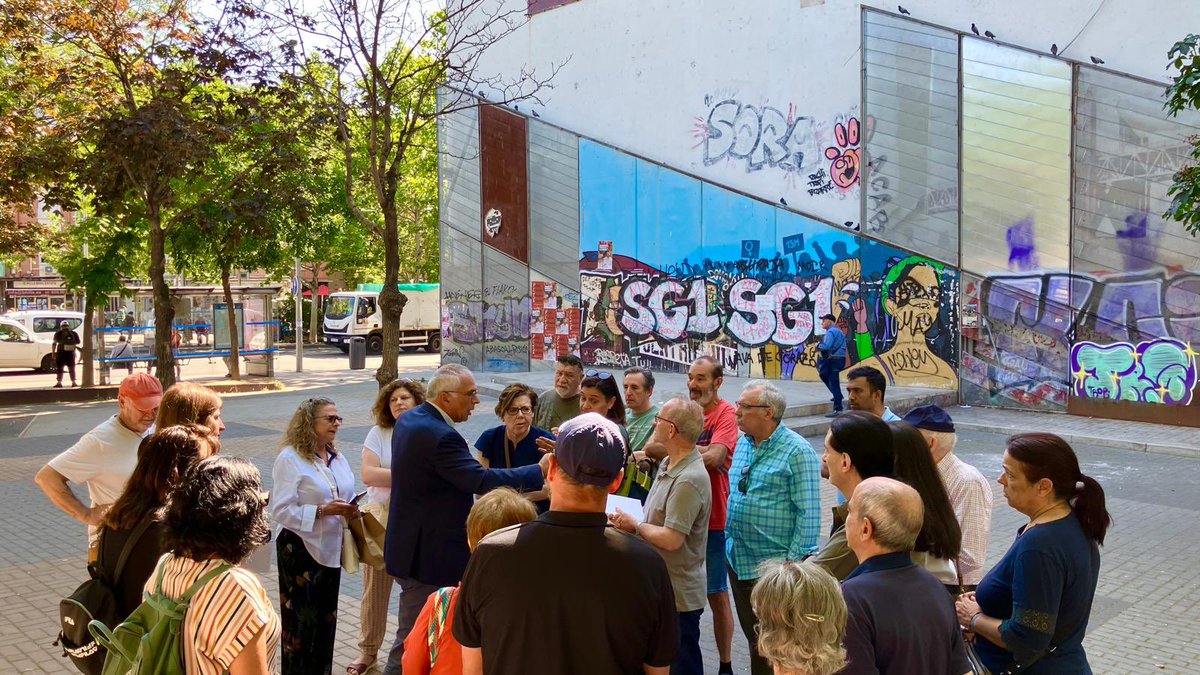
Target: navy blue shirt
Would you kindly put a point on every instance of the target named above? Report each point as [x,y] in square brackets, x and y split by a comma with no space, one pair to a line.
[491,445]
[901,620]
[1041,590]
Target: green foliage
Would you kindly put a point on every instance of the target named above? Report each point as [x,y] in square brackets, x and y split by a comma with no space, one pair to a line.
[98,254]
[1184,94]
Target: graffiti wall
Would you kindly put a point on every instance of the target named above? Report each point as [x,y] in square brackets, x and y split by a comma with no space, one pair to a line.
[672,267]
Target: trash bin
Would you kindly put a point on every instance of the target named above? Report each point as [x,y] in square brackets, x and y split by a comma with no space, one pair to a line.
[358,353]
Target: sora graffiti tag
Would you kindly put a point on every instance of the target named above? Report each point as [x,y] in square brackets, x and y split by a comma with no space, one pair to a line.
[761,136]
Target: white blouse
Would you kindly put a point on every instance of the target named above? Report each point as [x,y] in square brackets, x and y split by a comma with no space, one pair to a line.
[379,441]
[299,487]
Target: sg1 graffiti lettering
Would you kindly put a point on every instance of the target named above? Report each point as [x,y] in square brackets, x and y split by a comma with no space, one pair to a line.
[1162,371]
[761,136]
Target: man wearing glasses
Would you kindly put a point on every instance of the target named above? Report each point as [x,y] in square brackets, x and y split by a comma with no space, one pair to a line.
[434,481]
[676,524]
[775,506]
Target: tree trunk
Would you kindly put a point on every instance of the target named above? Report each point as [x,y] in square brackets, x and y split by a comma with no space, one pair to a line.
[88,347]
[164,310]
[391,301]
[235,337]
[314,316]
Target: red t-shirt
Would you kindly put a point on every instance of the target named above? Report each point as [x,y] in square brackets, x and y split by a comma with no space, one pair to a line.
[720,426]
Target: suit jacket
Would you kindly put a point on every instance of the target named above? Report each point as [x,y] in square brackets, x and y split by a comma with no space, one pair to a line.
[434,479]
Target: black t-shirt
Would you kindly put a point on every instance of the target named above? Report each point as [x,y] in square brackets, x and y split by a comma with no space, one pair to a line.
[567,594]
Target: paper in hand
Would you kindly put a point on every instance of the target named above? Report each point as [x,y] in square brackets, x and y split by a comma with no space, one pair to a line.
[629,505]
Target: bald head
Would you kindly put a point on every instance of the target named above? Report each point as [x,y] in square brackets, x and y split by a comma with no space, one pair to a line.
[894,511]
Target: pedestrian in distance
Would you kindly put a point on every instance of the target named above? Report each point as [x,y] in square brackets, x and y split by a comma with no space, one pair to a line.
[66,341]
[831,360]
[103,458]
[430,648]
[1031,610]
[393,400]
[311,498]
[801,618]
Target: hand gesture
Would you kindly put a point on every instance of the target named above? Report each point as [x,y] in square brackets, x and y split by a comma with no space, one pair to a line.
[860,315]
[623,521]
[544,444]
[339,507]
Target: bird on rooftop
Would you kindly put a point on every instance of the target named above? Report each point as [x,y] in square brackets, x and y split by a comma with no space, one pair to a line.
[974,29]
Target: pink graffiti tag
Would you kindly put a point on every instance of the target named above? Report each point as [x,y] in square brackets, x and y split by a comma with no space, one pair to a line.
[845,161]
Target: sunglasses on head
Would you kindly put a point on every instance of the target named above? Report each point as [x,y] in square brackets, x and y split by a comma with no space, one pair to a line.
[599,374]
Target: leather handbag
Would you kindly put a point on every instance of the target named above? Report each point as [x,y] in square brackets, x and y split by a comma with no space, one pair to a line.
[369,536]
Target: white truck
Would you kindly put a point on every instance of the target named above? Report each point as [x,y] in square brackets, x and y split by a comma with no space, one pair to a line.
[357,314]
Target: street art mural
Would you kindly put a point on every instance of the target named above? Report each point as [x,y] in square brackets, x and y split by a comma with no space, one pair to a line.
[746,283]
[1153,371]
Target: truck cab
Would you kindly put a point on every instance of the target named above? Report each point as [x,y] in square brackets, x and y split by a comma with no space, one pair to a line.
[352,314]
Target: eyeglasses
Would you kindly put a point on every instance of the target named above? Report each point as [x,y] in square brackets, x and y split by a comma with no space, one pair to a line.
[599,374]
[660,418]
[333,419]
[469,394]
[744,483]
[751,405]
[523,410]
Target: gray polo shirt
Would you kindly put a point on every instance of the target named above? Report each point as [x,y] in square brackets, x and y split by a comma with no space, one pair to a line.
[681,499]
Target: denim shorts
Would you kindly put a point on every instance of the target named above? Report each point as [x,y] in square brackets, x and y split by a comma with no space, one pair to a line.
[714,561]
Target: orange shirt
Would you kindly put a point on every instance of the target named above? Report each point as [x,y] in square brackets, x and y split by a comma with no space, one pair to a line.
[438,653]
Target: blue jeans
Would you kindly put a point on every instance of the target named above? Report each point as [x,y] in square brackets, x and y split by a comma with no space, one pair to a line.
[690,661]
[714,563]
[830,370]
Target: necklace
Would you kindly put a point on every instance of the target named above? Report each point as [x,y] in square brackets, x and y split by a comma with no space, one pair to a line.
[1033,520]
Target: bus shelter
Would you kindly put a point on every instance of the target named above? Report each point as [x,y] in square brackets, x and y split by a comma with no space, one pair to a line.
[200,333]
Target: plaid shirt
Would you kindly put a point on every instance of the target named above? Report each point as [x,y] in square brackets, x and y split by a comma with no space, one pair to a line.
[971,496]
[779,515]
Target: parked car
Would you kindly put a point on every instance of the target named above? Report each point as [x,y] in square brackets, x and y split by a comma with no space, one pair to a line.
[44,322]
[19,348]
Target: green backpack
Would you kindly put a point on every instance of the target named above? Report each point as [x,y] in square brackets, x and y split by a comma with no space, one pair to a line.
[147,643]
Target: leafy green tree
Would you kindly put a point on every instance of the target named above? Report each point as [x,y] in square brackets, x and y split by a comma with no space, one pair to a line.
[94,258]
[1184,94]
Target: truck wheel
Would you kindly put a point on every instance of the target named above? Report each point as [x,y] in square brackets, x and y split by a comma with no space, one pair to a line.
[48,364]
[375,344]
[435,343]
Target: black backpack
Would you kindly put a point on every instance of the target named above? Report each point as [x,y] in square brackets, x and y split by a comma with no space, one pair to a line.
[96,600]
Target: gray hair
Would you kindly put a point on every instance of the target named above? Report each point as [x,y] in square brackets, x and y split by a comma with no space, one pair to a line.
[771,395]
[645,373]
[894,509]
[802,617]
[690,418]
[447,378]
[947,440]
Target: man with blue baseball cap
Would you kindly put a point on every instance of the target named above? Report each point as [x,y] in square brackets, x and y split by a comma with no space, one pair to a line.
[970,493]
[567,593]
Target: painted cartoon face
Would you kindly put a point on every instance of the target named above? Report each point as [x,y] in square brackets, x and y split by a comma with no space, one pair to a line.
[916,300]
[845,156]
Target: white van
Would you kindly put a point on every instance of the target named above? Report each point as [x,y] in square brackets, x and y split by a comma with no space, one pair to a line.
[19,348]
[44,322]
[357,314]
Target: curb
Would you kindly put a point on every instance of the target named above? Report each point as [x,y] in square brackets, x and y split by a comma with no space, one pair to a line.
[1082,439]
[109,392]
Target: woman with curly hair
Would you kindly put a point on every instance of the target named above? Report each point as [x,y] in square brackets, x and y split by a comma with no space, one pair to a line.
[313,494]
[514,442]
[394,399]
[801,618]
[136,518]
[214,519]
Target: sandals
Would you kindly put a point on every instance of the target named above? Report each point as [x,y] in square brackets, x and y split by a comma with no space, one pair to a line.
[360,668]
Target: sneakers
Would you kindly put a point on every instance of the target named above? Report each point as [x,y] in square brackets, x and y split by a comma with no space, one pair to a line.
[835,413]
[58,385]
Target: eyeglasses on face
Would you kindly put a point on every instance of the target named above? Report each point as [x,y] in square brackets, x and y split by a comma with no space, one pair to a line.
[751,405]
[333,419]
[660,418]
[474,393]
[599,374]
[521,410]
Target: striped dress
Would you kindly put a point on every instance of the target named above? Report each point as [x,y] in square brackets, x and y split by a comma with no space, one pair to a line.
[225,615]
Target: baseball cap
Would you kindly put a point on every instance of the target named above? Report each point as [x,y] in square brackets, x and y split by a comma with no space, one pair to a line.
[930,418]
[828,316]
[590,449]
[142,390]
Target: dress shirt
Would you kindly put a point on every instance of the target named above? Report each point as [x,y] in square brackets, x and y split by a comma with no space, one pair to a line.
[971,497]
[780,514]
[299,487]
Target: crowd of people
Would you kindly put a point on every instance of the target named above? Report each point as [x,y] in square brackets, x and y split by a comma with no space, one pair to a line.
[512,557]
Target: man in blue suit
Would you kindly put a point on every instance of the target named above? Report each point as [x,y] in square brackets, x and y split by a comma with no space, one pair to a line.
[434,480]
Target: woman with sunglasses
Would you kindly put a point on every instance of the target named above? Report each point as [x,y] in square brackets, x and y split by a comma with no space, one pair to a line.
[599,394]
[393,400]
[514,442]
[312,495]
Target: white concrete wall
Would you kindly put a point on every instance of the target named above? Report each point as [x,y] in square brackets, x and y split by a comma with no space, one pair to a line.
[649,75]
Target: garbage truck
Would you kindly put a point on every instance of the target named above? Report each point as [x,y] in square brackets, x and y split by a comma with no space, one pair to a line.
[350,314]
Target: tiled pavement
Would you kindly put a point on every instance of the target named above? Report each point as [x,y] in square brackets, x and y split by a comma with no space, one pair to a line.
[1146,607]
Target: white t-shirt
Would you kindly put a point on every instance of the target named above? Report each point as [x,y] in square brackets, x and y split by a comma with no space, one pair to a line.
[379,441]
[103,460]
